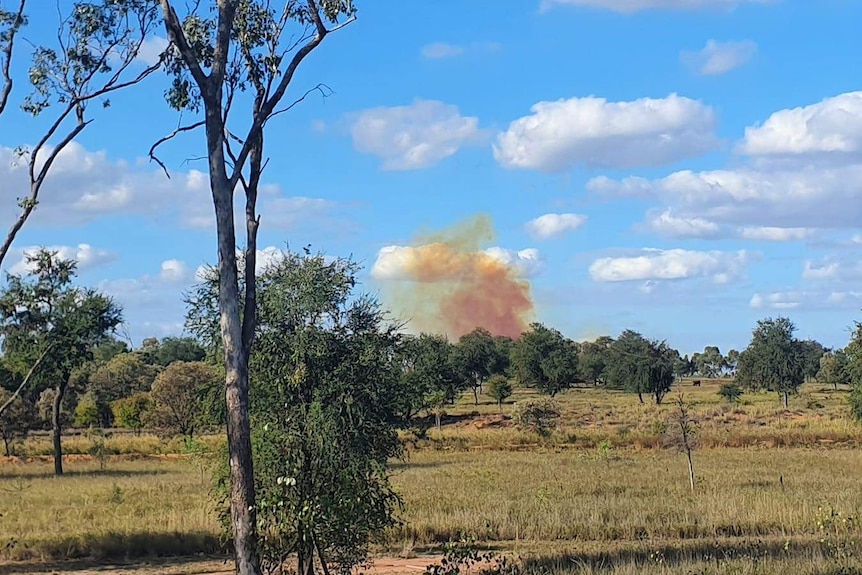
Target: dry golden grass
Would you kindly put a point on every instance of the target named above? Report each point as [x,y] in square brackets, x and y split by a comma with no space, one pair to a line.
[130,509]
[599,496]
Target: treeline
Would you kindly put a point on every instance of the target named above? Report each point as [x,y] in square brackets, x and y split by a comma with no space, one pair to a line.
[62,364]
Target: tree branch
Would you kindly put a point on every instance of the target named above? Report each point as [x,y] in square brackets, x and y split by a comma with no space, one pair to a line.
[174,30]
[27,378]
[324,90]
[6,53]
[267,108]
[171,136]
[226,17]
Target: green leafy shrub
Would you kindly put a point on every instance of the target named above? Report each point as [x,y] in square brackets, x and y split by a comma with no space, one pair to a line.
[499,388]
[87,411]
[129,411]
[730,391]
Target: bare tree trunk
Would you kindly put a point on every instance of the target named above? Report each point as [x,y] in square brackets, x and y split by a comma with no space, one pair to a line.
[476,395]
[786,399]
[242,500]
[60,391]
[690,466]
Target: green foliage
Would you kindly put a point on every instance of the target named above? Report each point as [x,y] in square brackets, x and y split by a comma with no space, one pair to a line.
[710,363]
[641,366]
[475,357]
[730,391]
[536,415]
[436,403]
[177,397]
[833,368]
[129,412]
[774,360]
[87,412]
[855,401]
[19,418]
[325,400]
[171,349]
[122,376]
[99,41]
[499,389]
[544,359]
[428,371]
[594,358]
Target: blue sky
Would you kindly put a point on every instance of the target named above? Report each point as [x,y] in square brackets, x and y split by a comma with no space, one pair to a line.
[698,163]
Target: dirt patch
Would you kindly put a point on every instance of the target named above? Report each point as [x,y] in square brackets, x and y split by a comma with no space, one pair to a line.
[495,421]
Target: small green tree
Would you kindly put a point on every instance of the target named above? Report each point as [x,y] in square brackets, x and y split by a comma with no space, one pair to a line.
[50,328]
[774,360]
[130,412]
[475,356]
[436,402]
[855,401]
[544,359]
[499,389]
[325,403]
[833,368]
[642,366]
[177,397]
[87,411]
[730,391]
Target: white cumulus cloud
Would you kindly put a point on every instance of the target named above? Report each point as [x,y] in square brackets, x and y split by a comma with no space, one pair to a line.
[396,262]
[674,264]
[668,224]
[85,255]
[528,262]
[720,57]
[175,272]
[549,225]
[594,132]
[832,126]
[416,136]
[773,234]
[151,50]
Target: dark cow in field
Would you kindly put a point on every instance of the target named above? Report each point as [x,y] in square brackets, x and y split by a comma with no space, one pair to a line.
[695,383]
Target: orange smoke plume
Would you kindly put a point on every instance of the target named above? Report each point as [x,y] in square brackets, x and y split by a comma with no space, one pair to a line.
[445,283]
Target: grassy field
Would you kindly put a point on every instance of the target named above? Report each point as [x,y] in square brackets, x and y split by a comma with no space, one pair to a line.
[600,496]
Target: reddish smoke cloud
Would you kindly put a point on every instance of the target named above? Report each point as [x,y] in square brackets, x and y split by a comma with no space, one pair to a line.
[445,283]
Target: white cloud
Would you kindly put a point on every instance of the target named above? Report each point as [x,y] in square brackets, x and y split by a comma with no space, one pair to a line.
[675,264]
[793,196]
[437,50]
[83,186]
[667,224]
[632,6]
[416,136]
[832,126]
[594,132]
[528,262]
[175,272]
[399,262]
[827,271]
[86,255]
[719,57]
[151,50]
[777,300]
[773,234]
[550,225]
